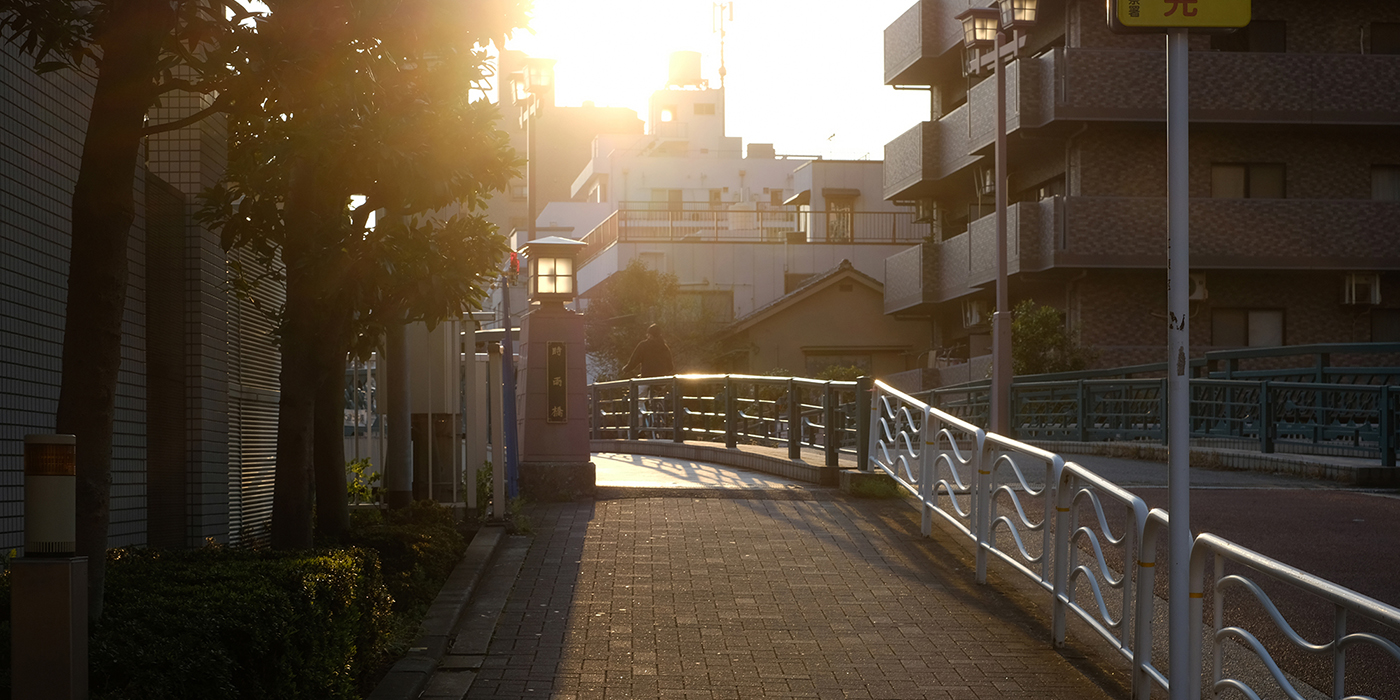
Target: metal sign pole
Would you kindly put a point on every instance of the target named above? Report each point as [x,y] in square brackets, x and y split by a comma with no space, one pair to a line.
[1178,375]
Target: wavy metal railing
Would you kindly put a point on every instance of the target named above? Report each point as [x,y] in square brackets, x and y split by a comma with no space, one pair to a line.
[987,487]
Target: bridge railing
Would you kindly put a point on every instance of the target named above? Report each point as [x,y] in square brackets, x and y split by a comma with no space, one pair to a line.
[1340,418]
[1090,544]
[795,412]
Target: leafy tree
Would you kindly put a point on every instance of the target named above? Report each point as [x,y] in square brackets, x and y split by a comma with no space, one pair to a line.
[634,298]
[370,98]
[134,51]
[1040,343]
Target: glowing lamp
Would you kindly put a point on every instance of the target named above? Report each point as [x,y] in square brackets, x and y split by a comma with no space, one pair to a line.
[552,273]
[1017,14]
[980,27]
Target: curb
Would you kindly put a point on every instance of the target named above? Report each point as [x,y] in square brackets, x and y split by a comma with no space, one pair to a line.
[409,676]
[1351,471]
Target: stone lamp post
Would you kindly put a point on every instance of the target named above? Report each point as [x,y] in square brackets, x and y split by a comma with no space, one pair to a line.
[553,392]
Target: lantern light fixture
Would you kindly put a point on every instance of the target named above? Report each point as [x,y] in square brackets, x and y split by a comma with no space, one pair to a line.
[553,276]
[1017,15]
[979,27]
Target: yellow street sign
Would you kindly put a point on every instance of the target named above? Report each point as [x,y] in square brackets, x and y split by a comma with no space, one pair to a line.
[1141,15]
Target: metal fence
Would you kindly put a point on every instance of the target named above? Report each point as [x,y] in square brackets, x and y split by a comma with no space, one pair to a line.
[1346,418]
[1092,545]
[732,409]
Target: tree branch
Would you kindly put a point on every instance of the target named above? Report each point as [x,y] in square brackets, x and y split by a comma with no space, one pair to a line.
[220,104]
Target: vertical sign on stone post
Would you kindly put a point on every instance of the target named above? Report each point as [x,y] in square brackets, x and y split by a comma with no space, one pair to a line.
[557,390]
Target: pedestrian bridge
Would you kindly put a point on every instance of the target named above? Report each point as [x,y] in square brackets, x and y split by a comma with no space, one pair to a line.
[1087,545]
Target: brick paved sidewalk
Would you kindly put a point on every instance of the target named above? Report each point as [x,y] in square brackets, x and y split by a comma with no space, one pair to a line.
[683,597]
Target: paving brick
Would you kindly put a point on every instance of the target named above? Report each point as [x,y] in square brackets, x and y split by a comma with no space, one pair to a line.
[695,597]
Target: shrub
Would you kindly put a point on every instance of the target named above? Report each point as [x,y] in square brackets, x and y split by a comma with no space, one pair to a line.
[418,547]
[221,623]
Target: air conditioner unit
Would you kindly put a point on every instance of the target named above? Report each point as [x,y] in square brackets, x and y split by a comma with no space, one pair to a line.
[1196,290]
[976,312]
[1362,288]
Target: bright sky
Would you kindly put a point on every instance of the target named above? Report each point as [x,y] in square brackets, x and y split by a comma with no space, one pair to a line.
[804,75]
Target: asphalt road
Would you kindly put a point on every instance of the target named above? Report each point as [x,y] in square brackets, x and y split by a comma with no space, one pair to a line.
[1350,537]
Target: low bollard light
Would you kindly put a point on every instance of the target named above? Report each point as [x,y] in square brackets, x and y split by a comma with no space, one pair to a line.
[50,486]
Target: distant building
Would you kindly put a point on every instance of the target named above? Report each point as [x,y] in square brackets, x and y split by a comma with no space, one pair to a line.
[740,228]
[1295,180]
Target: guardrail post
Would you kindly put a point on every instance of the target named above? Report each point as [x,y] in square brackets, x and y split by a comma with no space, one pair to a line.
[864,418]
[926,436]
[1060,598]
[794,420]
[1387,427]
[1339,653]
[1266,420]
[632,409]
[833,436]
[677,411]
[731,433]
[1082,412]
[981,495]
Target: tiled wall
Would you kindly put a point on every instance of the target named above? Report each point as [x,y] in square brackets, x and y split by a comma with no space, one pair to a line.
[42,121]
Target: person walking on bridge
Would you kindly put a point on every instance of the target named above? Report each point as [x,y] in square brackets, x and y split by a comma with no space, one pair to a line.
[651,358]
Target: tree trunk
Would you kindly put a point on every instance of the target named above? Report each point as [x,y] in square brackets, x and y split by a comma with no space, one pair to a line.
[103,211]
[332,501]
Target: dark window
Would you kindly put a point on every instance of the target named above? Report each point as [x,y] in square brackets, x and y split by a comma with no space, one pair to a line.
[1385,183]
[1247,180]
[1254,328]
[1384,38]
[704,108]
[1261,36]
[775,198]
[1385,325]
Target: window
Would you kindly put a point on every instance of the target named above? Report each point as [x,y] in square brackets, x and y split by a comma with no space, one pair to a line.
[1247,180]
[775,198]
[715,197]
[1261,36]
[1384,38]
[704,108]
[1252,328]
[1385,183]
[668,114]
[1385,325]
[518,190]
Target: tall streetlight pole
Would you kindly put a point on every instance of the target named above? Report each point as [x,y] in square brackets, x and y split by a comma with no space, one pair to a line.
[987,27]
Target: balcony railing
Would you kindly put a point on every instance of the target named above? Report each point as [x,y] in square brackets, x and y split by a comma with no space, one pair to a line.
[787,225]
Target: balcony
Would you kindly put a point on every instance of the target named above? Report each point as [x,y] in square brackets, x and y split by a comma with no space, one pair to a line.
[1119,85]
[923,34]
[1130,232]
[695,236]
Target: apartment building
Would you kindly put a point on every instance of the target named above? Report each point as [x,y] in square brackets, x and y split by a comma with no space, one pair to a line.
[1295,180]
[740,228]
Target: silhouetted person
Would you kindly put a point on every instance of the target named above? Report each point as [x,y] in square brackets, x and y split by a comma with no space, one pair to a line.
[651,358]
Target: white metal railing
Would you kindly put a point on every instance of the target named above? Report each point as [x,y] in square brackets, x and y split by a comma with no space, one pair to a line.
[1062,525]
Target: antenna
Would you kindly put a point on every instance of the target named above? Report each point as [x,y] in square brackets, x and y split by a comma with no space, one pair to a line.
[717,19]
